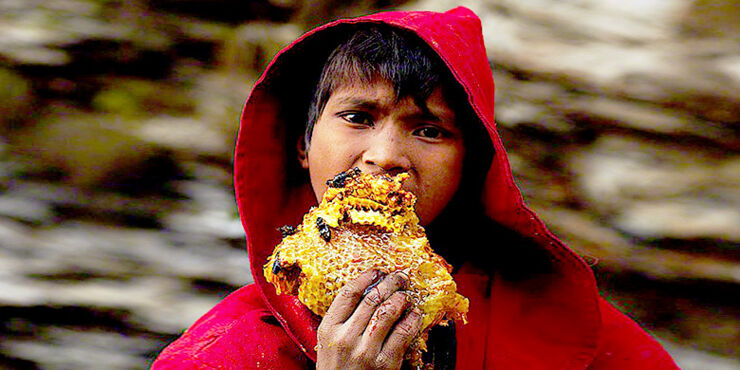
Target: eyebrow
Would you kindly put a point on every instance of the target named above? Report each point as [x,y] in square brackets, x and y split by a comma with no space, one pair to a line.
[424,114]
[358,102]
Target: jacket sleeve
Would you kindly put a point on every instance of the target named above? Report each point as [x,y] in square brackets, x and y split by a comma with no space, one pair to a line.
[239,333]
[624,345]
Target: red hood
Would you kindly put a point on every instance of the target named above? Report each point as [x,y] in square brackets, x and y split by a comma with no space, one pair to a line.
[271,190]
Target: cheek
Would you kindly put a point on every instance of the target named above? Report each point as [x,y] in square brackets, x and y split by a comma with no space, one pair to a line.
[446,163]
[328,154]
[441,176]
[448,175]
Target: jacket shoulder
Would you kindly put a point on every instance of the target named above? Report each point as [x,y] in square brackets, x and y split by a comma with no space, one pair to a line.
[625,345]
[240,332]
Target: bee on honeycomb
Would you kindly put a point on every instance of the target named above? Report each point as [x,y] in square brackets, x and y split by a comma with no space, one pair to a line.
[365,222]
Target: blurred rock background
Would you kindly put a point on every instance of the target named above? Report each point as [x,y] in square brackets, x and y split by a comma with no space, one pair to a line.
[118,226]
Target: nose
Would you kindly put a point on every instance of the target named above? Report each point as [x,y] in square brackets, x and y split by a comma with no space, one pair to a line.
[385,152]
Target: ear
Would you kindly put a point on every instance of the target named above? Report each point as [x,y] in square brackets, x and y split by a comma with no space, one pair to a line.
[302,152]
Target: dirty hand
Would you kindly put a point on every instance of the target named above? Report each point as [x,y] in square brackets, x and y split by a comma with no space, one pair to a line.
[365,327]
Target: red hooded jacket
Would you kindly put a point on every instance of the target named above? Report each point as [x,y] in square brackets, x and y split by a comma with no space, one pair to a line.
[556,322]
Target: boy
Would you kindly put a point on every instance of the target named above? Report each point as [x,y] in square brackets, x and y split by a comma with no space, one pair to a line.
[388,93]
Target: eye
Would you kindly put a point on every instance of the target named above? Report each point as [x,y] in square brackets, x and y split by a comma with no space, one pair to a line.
[430,132]
[359,118]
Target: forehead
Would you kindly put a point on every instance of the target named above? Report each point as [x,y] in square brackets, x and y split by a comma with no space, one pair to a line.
[381,93]
[377,89]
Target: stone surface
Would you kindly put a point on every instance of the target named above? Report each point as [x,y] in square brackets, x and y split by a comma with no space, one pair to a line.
[17,99]
[74,293]
[94,151]
[691,359]
[654,190]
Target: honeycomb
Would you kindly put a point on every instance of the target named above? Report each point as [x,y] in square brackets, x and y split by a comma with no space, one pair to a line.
[365,222]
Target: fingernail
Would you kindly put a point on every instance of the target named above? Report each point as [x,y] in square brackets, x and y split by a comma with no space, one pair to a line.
[405,279]
[379,275]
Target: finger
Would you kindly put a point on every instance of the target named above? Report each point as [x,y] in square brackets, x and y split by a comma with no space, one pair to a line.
[348,297]
[401,337]
[374,298]
[383,319]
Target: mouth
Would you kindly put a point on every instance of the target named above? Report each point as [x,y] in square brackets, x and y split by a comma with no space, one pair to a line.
[409,182]
[387,205]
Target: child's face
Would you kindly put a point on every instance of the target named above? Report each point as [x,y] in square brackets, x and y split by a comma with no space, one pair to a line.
[364,126]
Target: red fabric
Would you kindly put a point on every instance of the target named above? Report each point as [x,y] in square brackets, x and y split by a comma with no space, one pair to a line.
[555,322]
[239,333]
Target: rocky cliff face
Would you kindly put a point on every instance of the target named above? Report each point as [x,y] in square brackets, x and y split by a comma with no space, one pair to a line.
[117,222]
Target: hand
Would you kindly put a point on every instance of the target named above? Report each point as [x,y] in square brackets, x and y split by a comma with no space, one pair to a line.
[365,326]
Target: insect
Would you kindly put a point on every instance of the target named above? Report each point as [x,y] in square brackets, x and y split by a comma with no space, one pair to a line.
[276,268]
[338,180]
[287,230]
[324,230]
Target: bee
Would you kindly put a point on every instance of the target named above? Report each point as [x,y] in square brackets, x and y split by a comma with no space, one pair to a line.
[276,268]
[324,230]
[339,179]
[287,230]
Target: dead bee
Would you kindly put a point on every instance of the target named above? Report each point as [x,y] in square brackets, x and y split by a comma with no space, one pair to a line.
[324,230]
[287,230]
[338,180]
[276,268]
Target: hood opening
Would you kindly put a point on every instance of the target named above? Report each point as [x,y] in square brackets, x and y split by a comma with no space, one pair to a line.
[272,189]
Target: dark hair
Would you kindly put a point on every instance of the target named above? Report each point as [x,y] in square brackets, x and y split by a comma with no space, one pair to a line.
[380,52]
